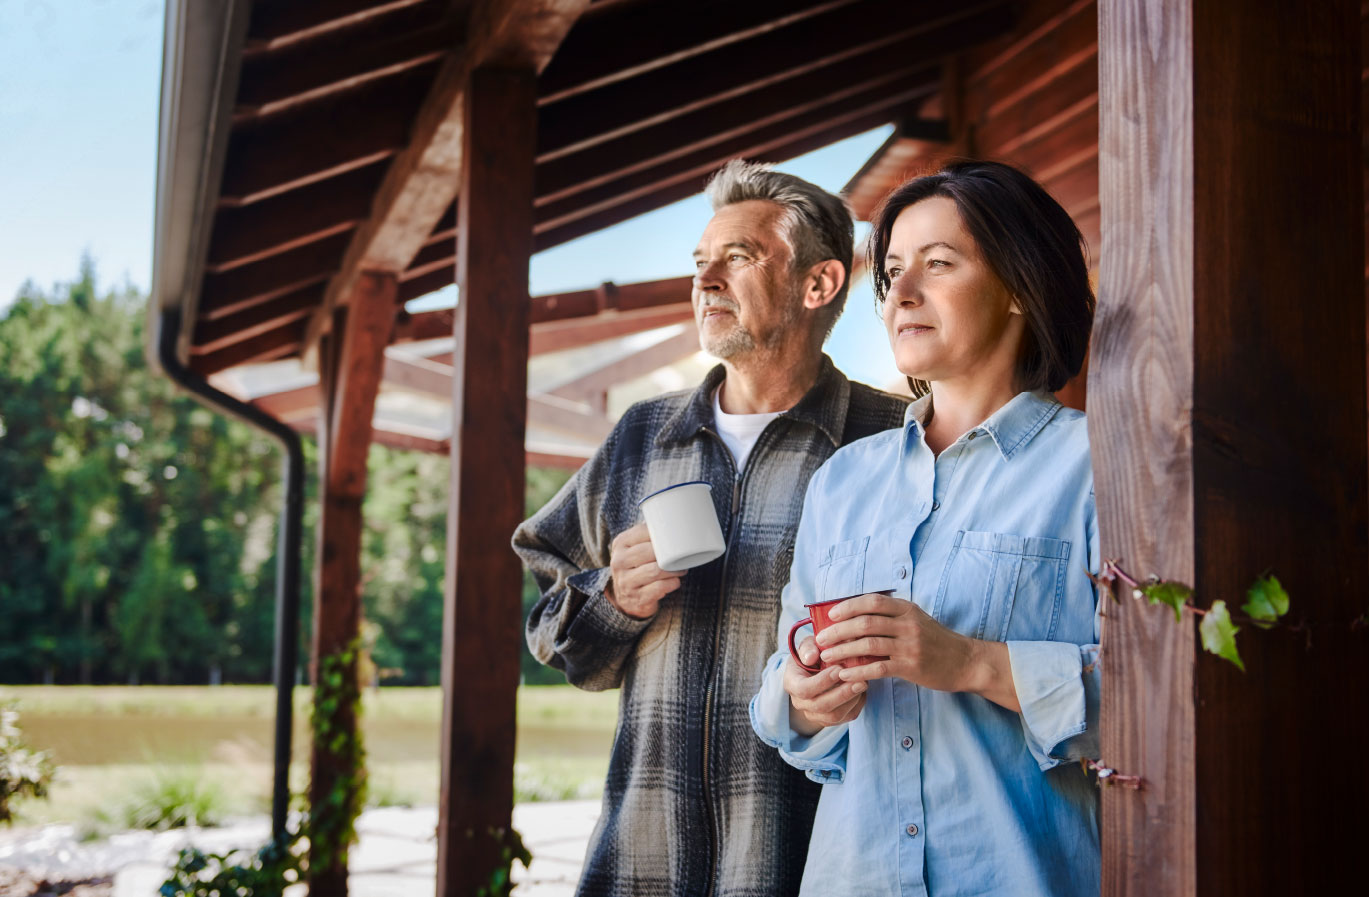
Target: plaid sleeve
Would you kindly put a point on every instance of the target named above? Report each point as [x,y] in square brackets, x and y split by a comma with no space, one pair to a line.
[565,546]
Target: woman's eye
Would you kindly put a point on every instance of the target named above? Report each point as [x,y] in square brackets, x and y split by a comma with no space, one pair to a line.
[938,263]
[893,273]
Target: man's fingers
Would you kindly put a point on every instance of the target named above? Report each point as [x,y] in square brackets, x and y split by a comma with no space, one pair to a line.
[634,535]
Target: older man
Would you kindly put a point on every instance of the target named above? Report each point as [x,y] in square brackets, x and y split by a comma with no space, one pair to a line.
[695,804]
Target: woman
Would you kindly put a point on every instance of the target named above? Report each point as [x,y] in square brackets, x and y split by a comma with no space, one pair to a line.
[963,542]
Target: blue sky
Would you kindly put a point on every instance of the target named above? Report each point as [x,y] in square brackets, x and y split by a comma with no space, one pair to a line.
[79,86]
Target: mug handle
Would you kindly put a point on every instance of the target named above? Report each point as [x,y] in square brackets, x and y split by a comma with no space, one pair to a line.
[794,652]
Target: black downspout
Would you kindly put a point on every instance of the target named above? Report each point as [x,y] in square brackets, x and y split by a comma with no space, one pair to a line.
[286,655]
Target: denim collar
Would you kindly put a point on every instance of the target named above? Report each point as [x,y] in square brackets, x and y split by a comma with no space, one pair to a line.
[1011,426]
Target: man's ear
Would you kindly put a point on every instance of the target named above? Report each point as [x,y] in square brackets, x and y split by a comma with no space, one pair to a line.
[824,281]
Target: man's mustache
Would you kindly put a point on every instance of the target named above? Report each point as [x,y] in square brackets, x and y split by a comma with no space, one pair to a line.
[724,302]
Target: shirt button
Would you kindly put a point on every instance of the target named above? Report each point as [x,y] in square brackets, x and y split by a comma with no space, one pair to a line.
[907,742]
[936,506]
[901,572]
[911,830]
[973,434]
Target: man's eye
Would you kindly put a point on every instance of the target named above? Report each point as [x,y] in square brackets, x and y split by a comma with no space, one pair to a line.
[699,264]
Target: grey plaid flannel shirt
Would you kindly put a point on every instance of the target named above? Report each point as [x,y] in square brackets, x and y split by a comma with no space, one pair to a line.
[694,804]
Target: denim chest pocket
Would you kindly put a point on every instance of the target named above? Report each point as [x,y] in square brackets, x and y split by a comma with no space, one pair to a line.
[1000,586]
[841,574]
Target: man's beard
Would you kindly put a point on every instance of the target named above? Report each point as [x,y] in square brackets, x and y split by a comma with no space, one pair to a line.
[737,340]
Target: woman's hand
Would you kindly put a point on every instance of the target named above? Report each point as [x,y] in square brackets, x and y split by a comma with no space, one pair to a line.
[918,648]
[821,699]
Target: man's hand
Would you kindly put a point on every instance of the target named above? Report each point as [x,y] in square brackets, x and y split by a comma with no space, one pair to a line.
[821,699]
[638,585]
[918,648]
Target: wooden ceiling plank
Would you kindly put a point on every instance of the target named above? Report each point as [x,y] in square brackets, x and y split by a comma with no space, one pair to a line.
[281,23]
[211,336]
[232,291]
[696,165]
[564,175]
[265,347]
[556,413]
[630,208]
[292,403]
[289,150]
[422,181]
[415,374]
[617,43]
[247,234]
[946,26]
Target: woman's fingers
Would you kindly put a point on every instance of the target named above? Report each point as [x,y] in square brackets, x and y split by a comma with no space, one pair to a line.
[870,646]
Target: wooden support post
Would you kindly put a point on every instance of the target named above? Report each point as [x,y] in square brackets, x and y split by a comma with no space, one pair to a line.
[482,625]
[1227,415]
[350,379]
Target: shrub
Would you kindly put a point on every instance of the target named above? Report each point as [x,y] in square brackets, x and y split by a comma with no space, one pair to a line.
[23,772]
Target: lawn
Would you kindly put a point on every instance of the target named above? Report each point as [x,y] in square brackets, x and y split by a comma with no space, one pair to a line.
[116,746]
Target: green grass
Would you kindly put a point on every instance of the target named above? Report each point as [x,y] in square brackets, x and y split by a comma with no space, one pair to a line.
[112,742]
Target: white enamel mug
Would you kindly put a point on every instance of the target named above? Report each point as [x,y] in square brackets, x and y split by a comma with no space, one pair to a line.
[683,526]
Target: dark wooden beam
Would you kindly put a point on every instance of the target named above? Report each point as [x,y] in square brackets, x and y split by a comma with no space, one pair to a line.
[280,23]
[1204,326]
[564,175]
[945,26]
[620,42]
[322,139]
[421,183]
[242,287]
[278,343]
[342,60]
[647,191]
[349,393]
[213,335]
[482,627]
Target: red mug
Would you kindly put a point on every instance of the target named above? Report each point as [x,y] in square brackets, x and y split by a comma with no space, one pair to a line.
[819,620]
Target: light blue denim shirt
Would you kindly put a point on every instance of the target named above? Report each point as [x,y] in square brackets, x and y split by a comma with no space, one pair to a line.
[930,792]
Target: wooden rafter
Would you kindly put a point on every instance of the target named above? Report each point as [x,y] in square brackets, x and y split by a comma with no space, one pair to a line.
[555,336]
[422,181]
[629,367]
[587,119]
[278,25]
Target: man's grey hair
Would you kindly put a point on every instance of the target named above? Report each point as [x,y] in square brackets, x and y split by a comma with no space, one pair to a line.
[816,224]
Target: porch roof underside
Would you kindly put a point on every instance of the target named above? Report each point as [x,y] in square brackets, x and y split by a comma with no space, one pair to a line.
[323,105]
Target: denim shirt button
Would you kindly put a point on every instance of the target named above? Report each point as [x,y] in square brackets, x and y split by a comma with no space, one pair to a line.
[912,830]
[901,571]
[936,506]
[907,742]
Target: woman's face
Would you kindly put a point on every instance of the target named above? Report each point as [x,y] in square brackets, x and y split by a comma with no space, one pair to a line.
[947,313]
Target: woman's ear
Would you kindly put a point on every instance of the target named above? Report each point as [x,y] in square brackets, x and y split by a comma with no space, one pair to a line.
[1014,307]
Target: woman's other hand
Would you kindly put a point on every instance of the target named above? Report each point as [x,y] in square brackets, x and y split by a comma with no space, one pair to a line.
[917,648]
[818,700]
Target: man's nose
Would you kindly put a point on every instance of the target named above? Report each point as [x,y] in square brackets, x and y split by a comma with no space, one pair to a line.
[708,276]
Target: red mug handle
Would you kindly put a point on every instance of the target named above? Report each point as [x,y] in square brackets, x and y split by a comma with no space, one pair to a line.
[794,652]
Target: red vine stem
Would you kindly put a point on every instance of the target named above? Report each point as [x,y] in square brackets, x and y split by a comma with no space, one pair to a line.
[1109,776]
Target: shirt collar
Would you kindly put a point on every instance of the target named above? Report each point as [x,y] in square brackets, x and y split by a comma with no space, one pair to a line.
[1011,426]
[823,406]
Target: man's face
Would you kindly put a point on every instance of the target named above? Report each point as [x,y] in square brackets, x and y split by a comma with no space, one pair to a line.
[745,296]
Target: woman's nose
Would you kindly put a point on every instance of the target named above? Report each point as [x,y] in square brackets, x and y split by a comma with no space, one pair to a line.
[904,290]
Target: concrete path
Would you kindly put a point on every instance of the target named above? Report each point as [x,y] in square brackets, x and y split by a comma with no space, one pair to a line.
[396,854]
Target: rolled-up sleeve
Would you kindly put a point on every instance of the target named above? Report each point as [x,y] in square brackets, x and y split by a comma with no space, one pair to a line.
[823,755]
[1059,684]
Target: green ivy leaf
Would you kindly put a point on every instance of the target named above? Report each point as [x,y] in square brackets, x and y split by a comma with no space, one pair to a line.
[1173,594]
[1266,601]
[1219,634]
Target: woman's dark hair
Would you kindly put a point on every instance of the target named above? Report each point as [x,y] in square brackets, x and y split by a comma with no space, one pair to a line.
[1033,246]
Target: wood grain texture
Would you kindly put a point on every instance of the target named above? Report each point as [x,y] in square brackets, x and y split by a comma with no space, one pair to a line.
[1279,441]
[1227,411]
[1140,394]
[482,626]
[349,387]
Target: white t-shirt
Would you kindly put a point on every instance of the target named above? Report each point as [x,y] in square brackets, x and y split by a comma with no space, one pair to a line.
[739,431]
